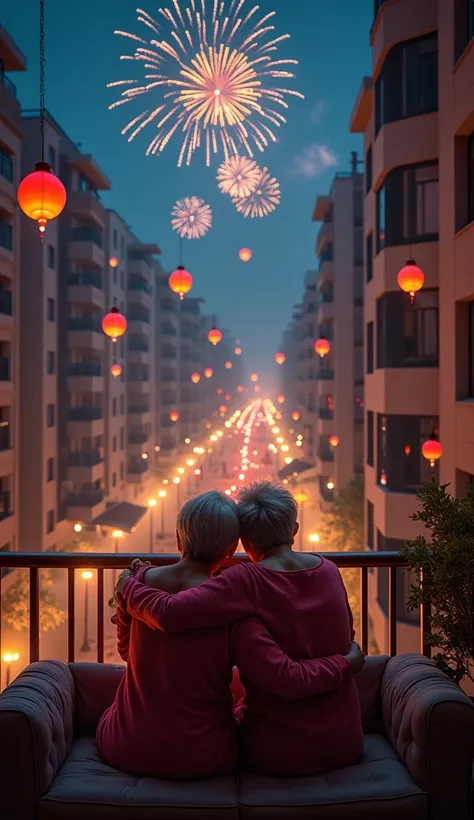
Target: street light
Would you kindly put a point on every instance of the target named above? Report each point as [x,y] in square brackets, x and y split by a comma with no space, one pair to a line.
[177,481]
[162,495]
[78,527]
[117,535]
[86,575]
[314,538]
[152,502]
[8,659]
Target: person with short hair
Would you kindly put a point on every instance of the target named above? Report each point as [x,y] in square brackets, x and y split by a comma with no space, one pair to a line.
[172,716]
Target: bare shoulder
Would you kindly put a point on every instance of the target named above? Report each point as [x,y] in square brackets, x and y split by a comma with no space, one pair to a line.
[164,578]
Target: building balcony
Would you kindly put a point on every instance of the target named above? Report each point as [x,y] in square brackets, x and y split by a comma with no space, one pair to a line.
[325,235]
[140,269]
[85,333]
[6,249]
[136,469]
[85,377]
[88,413]
[7,183]
[85,506]
[325,312]
[140,410]
[86,205]
[138,319]
[9,104]
[326,456]
[138,351]
[403,391]
[85,467]
[135,437]
[84,422]
[86,245]
[86,288]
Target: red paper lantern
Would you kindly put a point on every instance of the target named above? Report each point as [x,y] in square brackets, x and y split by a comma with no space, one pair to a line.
[214,336]
[280,398]
[245,254]
[240,388]
[180,281]
[114,324]
[116,370]
[41,195]
[222,408]
[432,449]
[174,416]
[296,415]
[208,372]
[228,365]
[113,261]
[254,377]
[238,351]
[219,391]
[280,358]
[195,378]
[228,397]
[411,278]
[333,441]
[322,347]
[257,388]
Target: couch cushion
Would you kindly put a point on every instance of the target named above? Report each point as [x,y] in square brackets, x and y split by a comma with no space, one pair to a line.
[88,789]
[369,685]
[96,685]
[377,787]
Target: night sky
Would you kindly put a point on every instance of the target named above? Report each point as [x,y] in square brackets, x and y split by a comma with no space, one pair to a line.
[331,42]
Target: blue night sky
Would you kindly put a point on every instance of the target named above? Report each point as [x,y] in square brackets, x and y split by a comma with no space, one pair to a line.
[331,42]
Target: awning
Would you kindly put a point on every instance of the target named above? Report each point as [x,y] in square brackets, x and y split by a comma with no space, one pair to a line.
[121,516]
[297,466]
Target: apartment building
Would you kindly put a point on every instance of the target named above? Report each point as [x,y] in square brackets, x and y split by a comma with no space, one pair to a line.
[416,113]
[11,60]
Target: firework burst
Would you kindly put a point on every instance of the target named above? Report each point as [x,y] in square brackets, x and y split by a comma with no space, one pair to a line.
[238,176]
[211,75]
[191,218]
[263,200]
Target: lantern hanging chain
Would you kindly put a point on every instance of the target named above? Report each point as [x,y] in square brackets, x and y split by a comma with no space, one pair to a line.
[42,78]
[180,250]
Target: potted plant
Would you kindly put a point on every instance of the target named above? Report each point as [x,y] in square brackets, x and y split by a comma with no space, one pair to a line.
[443,565]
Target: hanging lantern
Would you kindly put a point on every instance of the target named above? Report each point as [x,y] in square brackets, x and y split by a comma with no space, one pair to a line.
[227,397]
[208,372]
[113,261]
[214,336]
[245,254]
[116,370]
[195,378]
[411,278]
[322,347]
[254,377]
[114,324]
[333,441]
[280,358]
[407,450]
[41,195]
[222,408]
[432,449]
[240,388]
[180,281]
[296,415]
[228,365]
[219,391]
[257,388]
[238,351]
[174,416]
[280,398]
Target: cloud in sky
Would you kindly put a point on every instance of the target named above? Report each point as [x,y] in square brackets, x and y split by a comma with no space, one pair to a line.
[317,112]
[314,160]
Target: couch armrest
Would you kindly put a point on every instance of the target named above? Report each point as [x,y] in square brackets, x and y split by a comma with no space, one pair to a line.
[430,723]
[36,731]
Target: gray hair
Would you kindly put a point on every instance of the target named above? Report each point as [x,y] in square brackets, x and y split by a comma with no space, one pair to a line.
[208,526]
[267,515]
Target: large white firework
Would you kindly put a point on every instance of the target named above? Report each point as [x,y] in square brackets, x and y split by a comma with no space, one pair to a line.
[191,217]
[210,73]
[238,176]
[263,200]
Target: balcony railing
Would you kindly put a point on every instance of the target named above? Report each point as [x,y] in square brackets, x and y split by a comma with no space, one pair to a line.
[100,562]
[325,413]
[6,236]
[325,455]
[138,409]
[139,284]
[327,375]
[137,315]
[85,234]
[4,369]
[90,499]
[137,438]
[326,296]
[84,323]
[84,369]
[7,84]
[86,277]
[4,437]
[137,467]
[84,413]
[141,346]
[5,301]
[88,458]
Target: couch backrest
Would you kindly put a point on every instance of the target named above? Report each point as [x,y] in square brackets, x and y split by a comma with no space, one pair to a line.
[96,685]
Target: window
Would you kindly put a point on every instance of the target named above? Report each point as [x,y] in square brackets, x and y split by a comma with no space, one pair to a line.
[400,464]
[369,261]
[114,407]
[122,438]
[50,415]
[114,444]
[407,206]
[368,170]
[408,82]
[370,347]
[370,525]
[6,164]
[122,279]
[50,362]
[50,521]
[51,257]
[370,438]
[52,157]
[50,310]
[122,471]
[50,469]
[463,25]
[358,247]
[122,404]
[114,238]
[115,275]
[470,177]
[407,334]
[114,479]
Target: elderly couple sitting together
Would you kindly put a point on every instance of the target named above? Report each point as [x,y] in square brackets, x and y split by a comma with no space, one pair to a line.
[282,619]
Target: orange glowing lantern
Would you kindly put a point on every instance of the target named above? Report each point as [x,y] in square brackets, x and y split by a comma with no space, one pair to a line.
[253,377]
[240,388]
[180,281]
[245,254]
[432,449]
[113,261]
[195,378]
[296,415]
[228,365]
[322,347]
[174,416]
[280,358]
[280,398]
[208,372]
[257,388]
[333,441]
[411,279]
[114,324]
[41,195]
[407,450]
[222,408]
[227,397]
[214,336]
[238,351]
[219,391]
[116,370]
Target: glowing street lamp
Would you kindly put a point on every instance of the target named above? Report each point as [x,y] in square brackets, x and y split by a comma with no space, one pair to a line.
[152,502]
[77,527]
[162,495]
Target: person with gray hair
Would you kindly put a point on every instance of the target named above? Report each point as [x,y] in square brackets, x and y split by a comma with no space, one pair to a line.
[301,599]
[172,716]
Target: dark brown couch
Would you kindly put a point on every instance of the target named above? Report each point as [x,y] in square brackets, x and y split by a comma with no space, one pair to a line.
[416,764]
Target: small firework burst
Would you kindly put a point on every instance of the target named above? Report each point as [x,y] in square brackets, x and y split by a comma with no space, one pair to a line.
[191,217]
[263,200]
[238,176]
